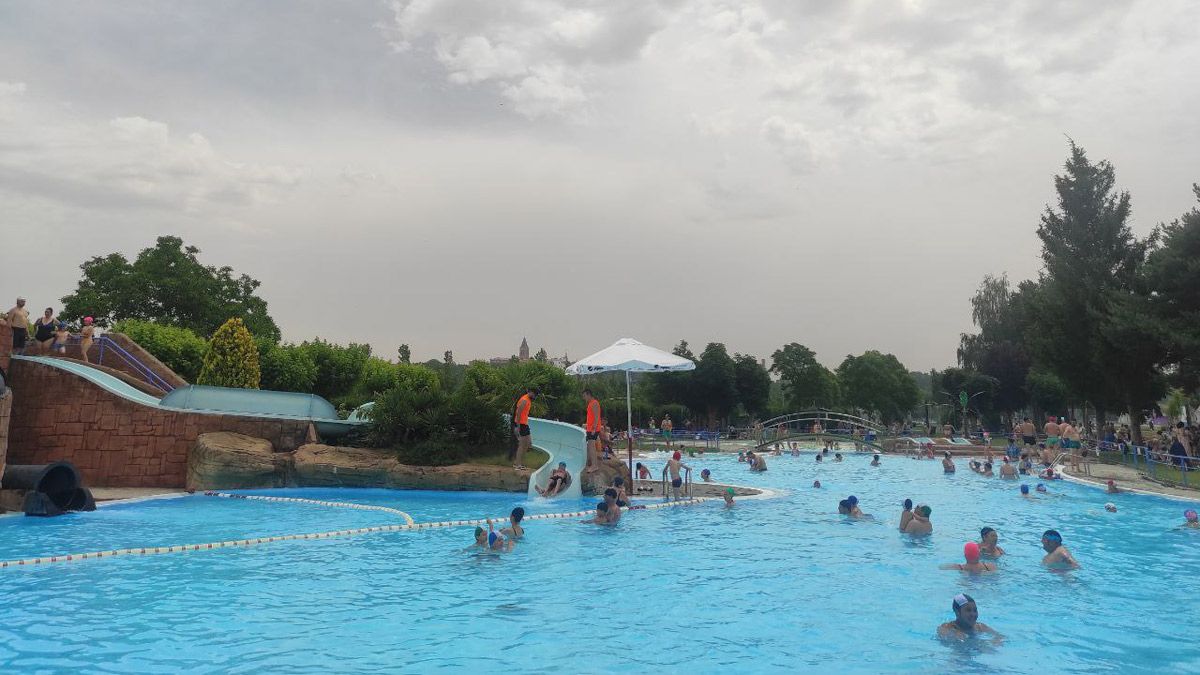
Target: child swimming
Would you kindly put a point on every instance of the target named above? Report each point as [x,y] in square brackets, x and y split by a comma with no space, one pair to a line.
[728,497]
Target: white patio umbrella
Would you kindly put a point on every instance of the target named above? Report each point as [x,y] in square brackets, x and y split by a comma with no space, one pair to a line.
[630,356]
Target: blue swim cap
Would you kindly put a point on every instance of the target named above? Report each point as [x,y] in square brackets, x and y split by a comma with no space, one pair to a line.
[492,537]
[1024,489]
[1052,535]
[852,500]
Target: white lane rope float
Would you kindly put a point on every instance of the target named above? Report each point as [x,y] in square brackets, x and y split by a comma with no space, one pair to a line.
[409,525]
[297,500]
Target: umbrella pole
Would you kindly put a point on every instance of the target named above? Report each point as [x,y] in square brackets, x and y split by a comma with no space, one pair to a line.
[629,429]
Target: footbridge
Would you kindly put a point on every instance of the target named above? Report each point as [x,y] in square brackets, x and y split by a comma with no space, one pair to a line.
[821,424]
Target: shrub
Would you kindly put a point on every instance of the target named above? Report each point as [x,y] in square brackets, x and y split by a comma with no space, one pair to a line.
[179,349]
[287,368]
[477,419]
[338,367]
[403,417]
[437,451]
[231,359]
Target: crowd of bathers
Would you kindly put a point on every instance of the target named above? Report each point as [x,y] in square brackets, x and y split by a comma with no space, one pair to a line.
[50,334]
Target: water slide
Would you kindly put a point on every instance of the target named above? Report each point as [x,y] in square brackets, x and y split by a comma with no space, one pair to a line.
[564,443]
[215,400]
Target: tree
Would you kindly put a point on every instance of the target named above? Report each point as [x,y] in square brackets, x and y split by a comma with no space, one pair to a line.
[541,355]
[1170,292]
[287,368]
[167,284]
[404,354]
[338,367]
[998,350]
[1090,253]
[232,358]
[878,384]
[806,383]
[714,384]
[448,358]
[981,394]
[753,384]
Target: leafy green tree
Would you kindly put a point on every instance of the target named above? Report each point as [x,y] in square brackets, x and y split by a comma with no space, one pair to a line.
[404,354]
[231,359]
[806,383]
[541,355]
[878,384]
[1090,254]
[714,384]
[168,284]
[981,392]
[753,384]
[338,367]
[179,349]
[1170,292]
[286,368]
[1047,393]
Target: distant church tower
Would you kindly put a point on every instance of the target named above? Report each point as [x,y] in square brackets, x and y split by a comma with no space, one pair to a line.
[523,354]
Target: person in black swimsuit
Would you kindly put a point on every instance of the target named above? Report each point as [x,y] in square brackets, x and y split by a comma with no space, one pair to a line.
[44,329]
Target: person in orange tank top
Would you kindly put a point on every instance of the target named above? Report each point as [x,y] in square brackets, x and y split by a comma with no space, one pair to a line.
[520,422]
[592,428]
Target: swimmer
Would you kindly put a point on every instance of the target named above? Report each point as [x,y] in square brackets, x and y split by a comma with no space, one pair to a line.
[643,474]
[1041,487]
[601,517]
[854,510]
[966,622]
[706,476]
[481,540]
[1056,553]
[987,543]
[614,509]
[947,463]
[920,523]
[987,470]
[1025,491]
[1112,488]
[1110,507]
[1007,470]
[1191,519]
[497,541]
[906,515]
[728,497]
[760,464]
[874,460]
[843,508]
[618,484]
[514,530]
[818,458]
[741,456]
[837,456]
[817,484]
[973,564]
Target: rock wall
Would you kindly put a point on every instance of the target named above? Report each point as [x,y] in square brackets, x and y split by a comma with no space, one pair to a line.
[6,400]
[600,479]
[112,441]
[222,461]
[5,343]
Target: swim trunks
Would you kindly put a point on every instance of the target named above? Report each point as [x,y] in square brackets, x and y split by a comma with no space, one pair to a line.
[1051,441]
[674,483]
[523,430]
[1029,440]
[20,335]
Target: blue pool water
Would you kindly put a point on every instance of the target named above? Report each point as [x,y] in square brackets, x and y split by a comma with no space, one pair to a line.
[773,585]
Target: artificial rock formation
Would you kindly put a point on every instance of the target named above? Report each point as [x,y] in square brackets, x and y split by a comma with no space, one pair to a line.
[602,477]
[329,466]
[225,460]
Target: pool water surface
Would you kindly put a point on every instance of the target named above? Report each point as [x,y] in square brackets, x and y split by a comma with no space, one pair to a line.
[772,585]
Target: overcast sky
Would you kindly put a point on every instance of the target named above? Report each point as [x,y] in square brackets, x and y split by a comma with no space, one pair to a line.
[456,174]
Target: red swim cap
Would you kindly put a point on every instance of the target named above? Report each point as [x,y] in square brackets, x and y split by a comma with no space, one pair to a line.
[971,552]
[677,455]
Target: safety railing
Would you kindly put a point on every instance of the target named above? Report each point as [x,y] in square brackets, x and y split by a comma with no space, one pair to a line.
[108,346]
[1157,464]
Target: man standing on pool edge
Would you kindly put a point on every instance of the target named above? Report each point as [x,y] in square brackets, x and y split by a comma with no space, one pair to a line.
[520,423]
[592,430]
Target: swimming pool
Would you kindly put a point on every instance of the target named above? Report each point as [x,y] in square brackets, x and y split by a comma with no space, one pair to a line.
[773,585]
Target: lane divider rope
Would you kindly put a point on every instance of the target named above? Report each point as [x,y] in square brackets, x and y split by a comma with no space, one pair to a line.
[297,500]
[183,548]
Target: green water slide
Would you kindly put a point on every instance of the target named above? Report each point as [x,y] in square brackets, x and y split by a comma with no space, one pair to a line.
[216,400]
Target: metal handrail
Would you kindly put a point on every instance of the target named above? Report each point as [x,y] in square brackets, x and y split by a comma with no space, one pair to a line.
[132,361]
[1143,457]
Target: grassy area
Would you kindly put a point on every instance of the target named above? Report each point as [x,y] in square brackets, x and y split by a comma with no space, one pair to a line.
[534,459]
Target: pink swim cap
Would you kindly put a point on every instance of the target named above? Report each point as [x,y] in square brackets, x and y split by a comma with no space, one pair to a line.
[971,552]
[87,319]
[1190,514]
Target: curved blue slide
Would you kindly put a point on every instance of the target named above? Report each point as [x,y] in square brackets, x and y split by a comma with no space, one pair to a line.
[215,400]
[564,443]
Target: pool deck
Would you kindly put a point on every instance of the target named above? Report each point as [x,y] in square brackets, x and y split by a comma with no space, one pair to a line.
[1130,479]
[114,494]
